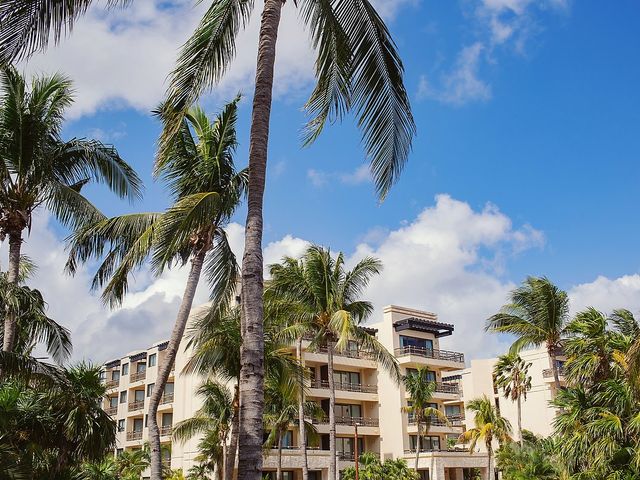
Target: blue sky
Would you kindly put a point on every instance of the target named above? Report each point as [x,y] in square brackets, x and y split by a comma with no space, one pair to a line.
[527,105]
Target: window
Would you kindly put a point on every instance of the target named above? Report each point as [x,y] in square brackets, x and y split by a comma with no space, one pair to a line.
[137,424]
[431,375]
[119,451]
[103,375]
[138,396]
[348,411]
[141,367]
[146,420]
[452,410]
[152,360]
[168,388]
[420,343]
[113,402]
[167,419]
[287,439]
[345,445]
[123,397]
[428,442]
[150,389]
[121,425]
[125,369]
[347,377]
[115,375]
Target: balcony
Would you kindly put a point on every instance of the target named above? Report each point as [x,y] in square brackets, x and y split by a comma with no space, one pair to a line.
[452,388]
[166,430]
[346,387]
[412,451]
[112,383]
[351,457]
[430,353]
[454,421]
[111,410]
[351,421]
[134,435]
[133,406]
[548,373]
[166,398]
[137,376]
[348,353]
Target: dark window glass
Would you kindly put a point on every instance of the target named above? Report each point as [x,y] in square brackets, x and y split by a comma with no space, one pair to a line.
[150,389]
[123,397]
[125,369]
[152,360]
[422,343]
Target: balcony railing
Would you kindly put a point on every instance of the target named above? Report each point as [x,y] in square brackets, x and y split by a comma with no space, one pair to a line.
[112,383]
[351,457]
[134,377]
[166,398]
[361,421]
[346,387]
[430,353]
[448,388]
[133,406]
[548,372]
[454,420]
[135,435]
[111,410]
[349,353]
[453,449]
[166,430]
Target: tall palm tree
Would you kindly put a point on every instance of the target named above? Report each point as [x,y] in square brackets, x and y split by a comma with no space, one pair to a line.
[282,400]
[131,463]
[489,425]
[358,69]
[627,325]
[421,389]
[329,312]
[206,189]
[105,469]
[214,418]
[511,373]
[39,169]
[216,340]
[537,315]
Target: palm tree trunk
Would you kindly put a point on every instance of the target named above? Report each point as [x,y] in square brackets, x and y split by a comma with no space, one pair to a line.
[520,418]
[232,452]
[170,356]
[303,432]
[489,458]
[252,352]
[15,244]
[333,464]
[220,467]
[279,469]
[418,445]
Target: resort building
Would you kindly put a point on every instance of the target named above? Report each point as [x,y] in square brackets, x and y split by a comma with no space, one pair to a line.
[369,410]
[538,415]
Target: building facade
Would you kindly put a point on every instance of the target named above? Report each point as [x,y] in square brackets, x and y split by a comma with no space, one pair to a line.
[368,401]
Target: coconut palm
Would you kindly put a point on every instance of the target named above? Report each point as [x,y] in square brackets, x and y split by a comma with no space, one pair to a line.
[131,463]
[329,312]
[42,170]
[282,399]
[105,469]
[489,425]
[214,418]
[421,389]
[206,189]
[511,374]
[216,340]
[198,472]
[372,469]
[626,324]
[537,315]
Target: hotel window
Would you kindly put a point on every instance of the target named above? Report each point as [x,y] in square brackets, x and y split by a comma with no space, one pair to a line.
[150,389]
[123,397]
[348,411]
[138,396]
[119,451]
[141,367]
[121,425]
[152,360]
[287,439]
[452,410]
[115,375]
[419,343]
[137,425]
[125,369]
[345,445]
[168,388]
[113,402]
[428,442]
[431,375]
[103,375]
[347,377]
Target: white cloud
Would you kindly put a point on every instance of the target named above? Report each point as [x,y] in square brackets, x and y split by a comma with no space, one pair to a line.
[360,175]
[607,294]
[462,85]
[319,178]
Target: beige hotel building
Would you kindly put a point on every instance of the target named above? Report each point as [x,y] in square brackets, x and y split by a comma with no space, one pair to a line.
[366,397]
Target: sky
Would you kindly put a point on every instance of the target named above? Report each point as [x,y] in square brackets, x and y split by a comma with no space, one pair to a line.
[526,160]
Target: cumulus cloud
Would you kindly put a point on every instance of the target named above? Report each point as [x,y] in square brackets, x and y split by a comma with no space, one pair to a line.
[319,178]
[607,294]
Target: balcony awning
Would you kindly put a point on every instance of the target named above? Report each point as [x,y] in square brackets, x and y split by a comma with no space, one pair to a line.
[138,356]
[112,363]
[163,346]
[420,325]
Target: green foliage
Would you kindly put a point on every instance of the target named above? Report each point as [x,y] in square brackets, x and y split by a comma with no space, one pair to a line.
[531,461]
[52,431]
[370,468]
[511,374]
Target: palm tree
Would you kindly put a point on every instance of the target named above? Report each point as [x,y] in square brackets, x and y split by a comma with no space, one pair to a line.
[198,472]
[421,389]
[131,463]
[213,419]
[489,426]
[282,399]
[216,340]
[358,69]
[626,324]
[537,315]
[105,469]
[329,312]
[372,469]
[511,373]
[40,169]
[206,189]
